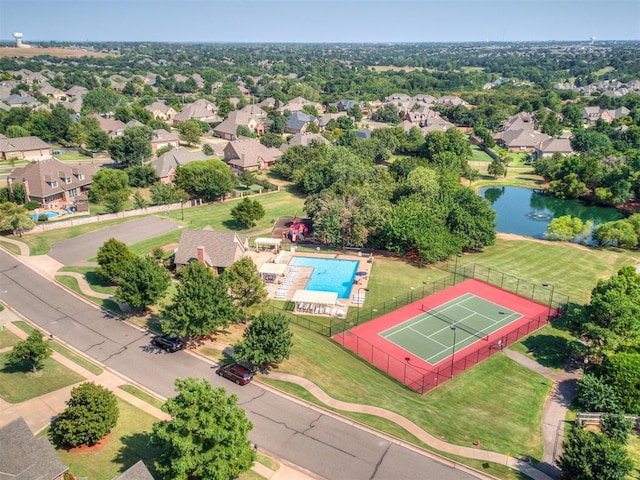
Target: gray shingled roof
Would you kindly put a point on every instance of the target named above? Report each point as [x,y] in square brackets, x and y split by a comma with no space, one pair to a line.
[138,471]
[25,457]
[37,173]
[221,248]
[22,144]
[298,120]
[174,158]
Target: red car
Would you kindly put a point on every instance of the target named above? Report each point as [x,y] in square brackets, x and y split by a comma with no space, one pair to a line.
[236,373]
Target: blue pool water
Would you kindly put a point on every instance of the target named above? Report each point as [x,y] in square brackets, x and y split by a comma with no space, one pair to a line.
[48,214]
[329,275]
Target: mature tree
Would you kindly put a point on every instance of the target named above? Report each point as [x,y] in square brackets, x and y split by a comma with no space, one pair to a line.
[248,212]
[611,321]
[91,413]
[14,218]
[113,258]
[108,181]
[34,350]
[278,122]
[595,395]
[207,149]
[388,113]
[245,285]
[16,131]
[206,179]
[496,168]
[618,234]
[133,147]
[207,436]
[621,371]
[59,123]
[616,427]
[471,219]
[190,131]
[143,283]
[267,341]
[164,194]
[97,141]
[569,186]
[201,304]
[100,100]
[567,228]
[591,456]
[141,175]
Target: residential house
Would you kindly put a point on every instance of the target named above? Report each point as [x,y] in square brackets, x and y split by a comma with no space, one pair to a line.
[303,139]
[138,471]
[344,105]
[161,138]
[551,146]
[518,134]
[24,148]
[110,126]
[450,101]
[75,91]
[161,111]
[296,105]
[327,117]
[52,92]
[201,109]
[254,111]
[248,154]
[17,101]
[591,115]
[363,134]
[268,102]
[217,250]
[424,98]
[398,97]
[166,164]
[51,181]
[228,129]
[298,122]
[25,457]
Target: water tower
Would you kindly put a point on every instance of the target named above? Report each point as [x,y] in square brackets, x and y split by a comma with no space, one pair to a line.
[18,37]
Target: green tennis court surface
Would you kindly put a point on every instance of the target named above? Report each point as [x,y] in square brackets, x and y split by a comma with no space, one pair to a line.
[430,335]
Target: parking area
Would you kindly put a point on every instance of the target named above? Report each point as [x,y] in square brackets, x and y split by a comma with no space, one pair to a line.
[75,251]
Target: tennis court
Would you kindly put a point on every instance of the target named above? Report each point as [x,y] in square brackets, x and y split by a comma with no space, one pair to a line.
[460,322]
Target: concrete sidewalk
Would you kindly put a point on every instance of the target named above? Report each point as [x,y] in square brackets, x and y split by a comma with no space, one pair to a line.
[38,412]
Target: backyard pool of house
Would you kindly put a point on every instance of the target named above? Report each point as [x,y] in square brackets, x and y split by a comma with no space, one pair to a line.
[48,214]
[329,274]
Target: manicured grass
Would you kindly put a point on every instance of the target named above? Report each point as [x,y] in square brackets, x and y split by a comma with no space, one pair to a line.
[479,155]
[10,247]
[76,156]
[144,396]
[634,452]
[516,177]
[97,282]
[128,442]
[72,284]
[18,383]
[550,346]
[498,401]
[572,269]
[7,338]
[218,216]
[268,462]
[64,351]
[40,244]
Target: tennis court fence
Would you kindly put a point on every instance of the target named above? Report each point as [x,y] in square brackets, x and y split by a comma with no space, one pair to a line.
[424,379]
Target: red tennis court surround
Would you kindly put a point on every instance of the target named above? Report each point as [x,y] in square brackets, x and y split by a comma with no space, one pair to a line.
[365,341]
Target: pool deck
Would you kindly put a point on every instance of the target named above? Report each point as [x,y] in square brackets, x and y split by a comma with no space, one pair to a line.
[304,274]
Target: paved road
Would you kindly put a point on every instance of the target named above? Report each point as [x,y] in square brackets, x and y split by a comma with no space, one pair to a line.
[314,440]
[74,250]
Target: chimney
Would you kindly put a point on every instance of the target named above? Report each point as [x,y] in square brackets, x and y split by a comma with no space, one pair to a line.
[201,255]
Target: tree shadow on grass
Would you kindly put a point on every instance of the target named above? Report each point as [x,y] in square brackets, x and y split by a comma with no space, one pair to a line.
[550,351]
[137,446]
[95,279]
[22,366]
[234,225]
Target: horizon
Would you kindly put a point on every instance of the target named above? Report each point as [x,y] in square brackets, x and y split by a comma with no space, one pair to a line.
[320,21]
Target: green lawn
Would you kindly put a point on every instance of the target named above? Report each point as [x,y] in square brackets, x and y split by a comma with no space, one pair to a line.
[64,351]
[142,395]
[634,452]
[479,155]
[127,443]
[18,384]
[498,401]
[72,284]
[7,339]
[10,247]
[97,282]
[74,157]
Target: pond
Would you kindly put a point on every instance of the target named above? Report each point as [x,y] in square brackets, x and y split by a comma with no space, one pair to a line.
[528,212]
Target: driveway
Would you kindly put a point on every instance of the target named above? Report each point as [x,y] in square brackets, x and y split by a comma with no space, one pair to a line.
[75,251]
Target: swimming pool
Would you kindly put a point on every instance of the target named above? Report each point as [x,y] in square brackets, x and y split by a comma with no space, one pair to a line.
[329,274]
[48,214]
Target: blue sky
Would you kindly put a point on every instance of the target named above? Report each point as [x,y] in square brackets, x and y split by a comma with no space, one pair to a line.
[320,20]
